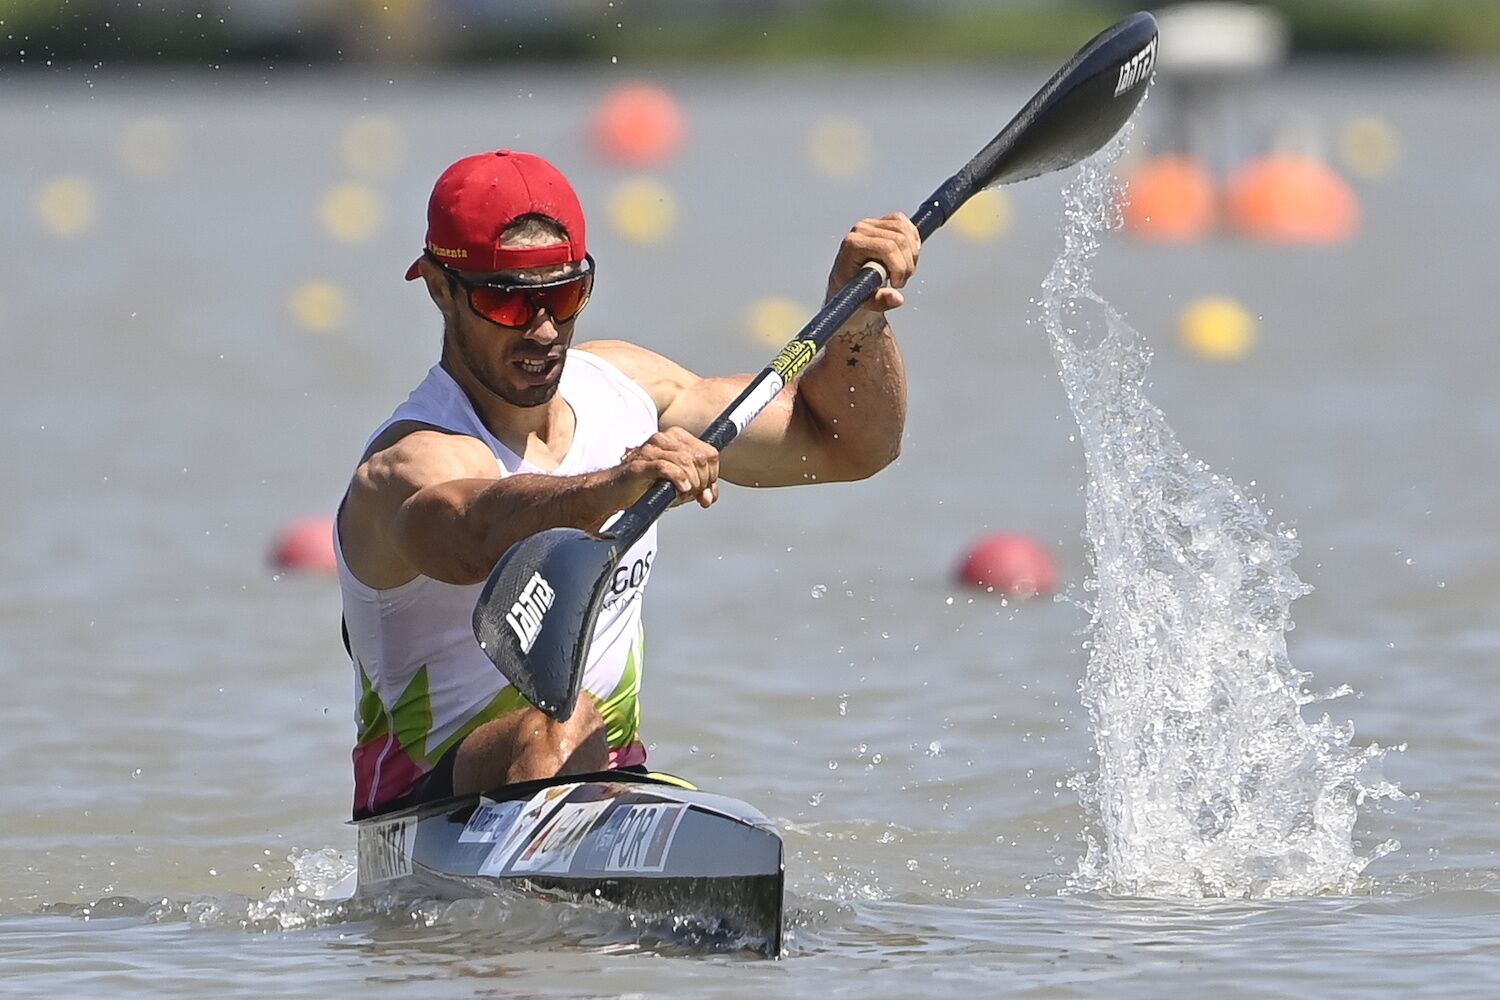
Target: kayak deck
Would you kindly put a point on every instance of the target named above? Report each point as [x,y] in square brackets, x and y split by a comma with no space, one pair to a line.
[640,842]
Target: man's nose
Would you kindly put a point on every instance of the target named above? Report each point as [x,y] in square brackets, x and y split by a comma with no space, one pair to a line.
[543,328]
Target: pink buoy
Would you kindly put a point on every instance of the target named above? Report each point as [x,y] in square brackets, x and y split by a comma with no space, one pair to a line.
[1012,565]
[305,546]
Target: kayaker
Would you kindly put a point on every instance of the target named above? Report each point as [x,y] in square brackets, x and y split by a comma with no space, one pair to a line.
[516,430]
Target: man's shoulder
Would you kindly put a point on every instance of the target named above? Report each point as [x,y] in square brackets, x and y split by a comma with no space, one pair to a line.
[411,437]
[620,353]
[660,377]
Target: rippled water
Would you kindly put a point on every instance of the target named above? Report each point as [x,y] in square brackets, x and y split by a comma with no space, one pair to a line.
[178,718]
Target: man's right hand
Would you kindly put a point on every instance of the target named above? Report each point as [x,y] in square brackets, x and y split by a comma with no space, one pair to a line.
[681,458]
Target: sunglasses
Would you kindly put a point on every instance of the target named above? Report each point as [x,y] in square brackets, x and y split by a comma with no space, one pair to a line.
[514,306]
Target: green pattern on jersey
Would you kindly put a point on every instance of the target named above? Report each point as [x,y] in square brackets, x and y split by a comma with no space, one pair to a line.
[410,718]
[622,709]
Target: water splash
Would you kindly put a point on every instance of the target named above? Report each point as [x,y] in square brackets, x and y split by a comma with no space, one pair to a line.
[1209,781]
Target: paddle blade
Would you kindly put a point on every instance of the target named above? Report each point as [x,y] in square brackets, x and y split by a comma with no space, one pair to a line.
[1078,110]
[535,615]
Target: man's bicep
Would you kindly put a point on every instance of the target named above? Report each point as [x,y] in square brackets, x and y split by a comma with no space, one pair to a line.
[391,475]
[773,451]
[778,448]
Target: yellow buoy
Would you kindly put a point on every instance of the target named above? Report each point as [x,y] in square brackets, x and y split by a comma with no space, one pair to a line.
[1369,147]
[372,147]
[318,306]
[67,206]
[351,212]
[839,148]
[642,210]
[1219,329]
[984,217]
[150,148]
[773,322]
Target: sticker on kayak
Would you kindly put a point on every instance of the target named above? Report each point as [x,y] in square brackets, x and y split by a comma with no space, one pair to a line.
[637,838]
[385,850]
[533,812]
[490,822]
[553,848]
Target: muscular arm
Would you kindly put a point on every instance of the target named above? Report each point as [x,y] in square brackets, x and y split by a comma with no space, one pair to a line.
[842,420]
[432,503]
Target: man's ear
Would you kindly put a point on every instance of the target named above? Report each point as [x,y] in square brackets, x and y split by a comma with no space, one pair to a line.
[439,287]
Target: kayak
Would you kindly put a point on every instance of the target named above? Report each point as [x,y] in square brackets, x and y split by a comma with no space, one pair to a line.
[649,844]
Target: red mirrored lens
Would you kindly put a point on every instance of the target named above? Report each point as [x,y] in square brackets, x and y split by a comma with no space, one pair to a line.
[517,307]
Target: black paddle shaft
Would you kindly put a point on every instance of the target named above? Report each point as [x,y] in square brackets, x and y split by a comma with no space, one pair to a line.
[536,613]
[1081,108]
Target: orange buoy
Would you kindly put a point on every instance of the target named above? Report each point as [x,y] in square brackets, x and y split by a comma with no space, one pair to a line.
[305,546]
[1290,198]
[638,125]
[1012,565]
[1171,199]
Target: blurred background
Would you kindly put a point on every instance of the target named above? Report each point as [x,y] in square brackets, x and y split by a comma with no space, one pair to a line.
[207,209]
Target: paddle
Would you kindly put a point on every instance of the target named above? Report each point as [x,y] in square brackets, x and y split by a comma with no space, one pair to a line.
[535,616]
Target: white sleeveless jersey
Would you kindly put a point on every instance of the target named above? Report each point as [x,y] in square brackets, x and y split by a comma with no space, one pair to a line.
[423,683]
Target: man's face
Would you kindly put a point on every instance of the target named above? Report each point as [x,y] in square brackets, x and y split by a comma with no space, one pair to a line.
[521,366]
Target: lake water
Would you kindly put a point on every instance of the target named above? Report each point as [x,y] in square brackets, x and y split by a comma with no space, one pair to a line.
[178,716]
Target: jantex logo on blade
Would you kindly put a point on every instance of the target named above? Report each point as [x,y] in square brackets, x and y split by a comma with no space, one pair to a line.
[1137,69]
[525,616]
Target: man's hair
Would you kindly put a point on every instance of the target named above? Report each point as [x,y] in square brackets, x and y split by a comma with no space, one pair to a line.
[533,229]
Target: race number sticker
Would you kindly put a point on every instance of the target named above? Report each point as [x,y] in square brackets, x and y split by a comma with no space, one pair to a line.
[385,850]
[553,848]
[490,822]
[638,837]
[532,812]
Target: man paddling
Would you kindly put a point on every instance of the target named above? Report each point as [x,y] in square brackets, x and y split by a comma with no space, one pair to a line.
[515,431]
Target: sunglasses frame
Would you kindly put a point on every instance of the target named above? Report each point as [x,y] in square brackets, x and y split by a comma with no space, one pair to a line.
[470,286]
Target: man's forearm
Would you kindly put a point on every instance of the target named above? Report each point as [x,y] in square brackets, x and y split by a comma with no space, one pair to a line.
[457,531]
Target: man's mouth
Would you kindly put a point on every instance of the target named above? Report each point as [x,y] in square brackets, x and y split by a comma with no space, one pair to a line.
[538,370]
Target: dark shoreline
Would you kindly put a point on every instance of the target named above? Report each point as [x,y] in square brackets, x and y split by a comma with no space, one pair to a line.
[38,34]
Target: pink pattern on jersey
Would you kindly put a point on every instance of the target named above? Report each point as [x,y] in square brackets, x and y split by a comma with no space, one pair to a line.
[383,771]
[630,755]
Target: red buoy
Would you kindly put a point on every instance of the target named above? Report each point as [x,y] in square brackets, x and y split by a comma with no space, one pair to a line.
[638,125]
[305,546]
[1012,565]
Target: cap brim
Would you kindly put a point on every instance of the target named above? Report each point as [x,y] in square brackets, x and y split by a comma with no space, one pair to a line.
[415,271]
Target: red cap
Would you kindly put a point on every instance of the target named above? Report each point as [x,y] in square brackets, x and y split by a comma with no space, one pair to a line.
[475,200]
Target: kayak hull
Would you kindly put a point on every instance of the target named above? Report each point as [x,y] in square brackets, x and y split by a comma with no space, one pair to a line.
[640,842]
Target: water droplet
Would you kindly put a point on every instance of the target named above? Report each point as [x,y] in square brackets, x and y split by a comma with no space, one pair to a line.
[818,591]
